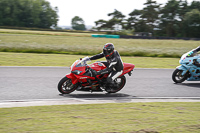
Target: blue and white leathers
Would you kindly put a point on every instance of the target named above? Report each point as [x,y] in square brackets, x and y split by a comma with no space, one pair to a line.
[187,67]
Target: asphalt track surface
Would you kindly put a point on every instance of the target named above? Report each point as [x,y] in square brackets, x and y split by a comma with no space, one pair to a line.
[39,84]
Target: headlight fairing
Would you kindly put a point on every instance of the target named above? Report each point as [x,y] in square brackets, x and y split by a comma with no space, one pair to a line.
[77,72]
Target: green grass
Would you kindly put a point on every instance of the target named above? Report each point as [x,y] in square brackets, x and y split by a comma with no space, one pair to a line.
[103,118]
[84,44]
[94,118]
[36,32]
[32,59]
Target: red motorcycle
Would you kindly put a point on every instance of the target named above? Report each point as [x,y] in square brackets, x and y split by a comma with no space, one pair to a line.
[81,78]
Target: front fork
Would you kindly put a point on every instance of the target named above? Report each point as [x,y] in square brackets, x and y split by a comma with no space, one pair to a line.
[184,69]
[73,78]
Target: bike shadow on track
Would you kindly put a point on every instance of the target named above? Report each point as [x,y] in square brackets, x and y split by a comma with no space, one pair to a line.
[103,96]
[194,85]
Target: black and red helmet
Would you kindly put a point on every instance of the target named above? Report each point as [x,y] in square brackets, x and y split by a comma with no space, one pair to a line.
[108,50]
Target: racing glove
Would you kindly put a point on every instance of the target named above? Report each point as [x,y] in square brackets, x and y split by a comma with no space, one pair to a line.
[196,63]
[94,73]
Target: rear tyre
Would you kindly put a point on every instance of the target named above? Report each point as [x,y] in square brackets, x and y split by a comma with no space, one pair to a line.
[177,76]
[120,82]
[65,86]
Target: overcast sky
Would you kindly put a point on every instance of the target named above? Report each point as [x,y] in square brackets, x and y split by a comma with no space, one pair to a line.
[93,10]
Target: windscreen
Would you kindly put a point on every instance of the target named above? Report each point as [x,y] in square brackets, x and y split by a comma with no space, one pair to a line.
[83,62]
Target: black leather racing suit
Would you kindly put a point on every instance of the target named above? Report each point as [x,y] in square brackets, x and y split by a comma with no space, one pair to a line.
[114,65]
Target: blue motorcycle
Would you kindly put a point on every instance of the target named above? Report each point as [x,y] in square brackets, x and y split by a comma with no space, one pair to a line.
[189,69]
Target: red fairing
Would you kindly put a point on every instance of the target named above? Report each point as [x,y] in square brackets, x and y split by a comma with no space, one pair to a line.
[79,71]
[97,66]
[72,77]
[127,68]
[82,69]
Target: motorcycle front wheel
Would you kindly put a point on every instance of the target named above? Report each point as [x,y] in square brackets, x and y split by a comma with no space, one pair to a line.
[65,86]
[120,82]
[177,76]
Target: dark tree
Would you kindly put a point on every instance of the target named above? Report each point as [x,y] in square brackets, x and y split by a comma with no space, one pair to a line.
[114,22]
[150,15]
[78,23]
[191,23]
[27,13]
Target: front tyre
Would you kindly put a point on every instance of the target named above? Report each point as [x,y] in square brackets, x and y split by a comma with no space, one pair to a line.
[65,86]
[119,82]
[177,76]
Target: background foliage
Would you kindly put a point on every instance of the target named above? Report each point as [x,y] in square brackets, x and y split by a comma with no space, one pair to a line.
[27,13]
[78,23]
[176,18]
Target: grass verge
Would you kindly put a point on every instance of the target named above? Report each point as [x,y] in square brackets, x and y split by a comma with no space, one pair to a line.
[83,44]
[38,32]
[31,59]
[103,118]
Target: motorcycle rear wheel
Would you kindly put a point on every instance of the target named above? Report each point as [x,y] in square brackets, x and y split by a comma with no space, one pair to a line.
[177,76]
[65,86]
[120,81]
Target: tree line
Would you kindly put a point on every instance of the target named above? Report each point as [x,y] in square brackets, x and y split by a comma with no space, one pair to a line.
[176,18]
[27,13]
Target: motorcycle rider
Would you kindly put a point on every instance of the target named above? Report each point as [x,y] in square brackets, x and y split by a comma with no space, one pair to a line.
[195,62]
[114,64]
